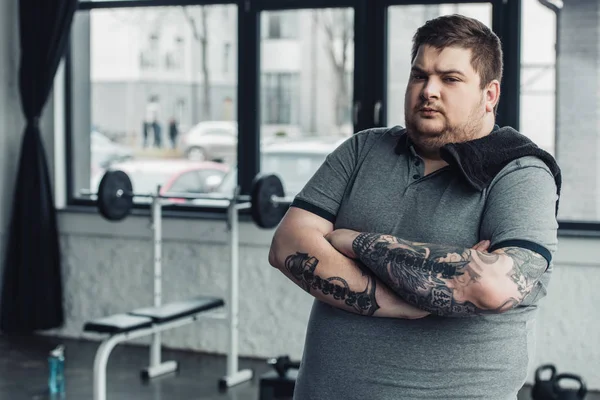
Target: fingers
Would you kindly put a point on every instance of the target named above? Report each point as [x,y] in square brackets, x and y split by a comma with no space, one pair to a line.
[484,245]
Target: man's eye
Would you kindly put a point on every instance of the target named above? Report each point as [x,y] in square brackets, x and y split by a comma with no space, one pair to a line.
[451,79]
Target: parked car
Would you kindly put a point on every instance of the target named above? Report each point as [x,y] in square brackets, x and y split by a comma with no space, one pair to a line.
[174,176]
[104,151]
[211,140]
[294,162]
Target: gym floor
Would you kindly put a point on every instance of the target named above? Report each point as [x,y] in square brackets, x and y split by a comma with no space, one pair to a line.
[23,372]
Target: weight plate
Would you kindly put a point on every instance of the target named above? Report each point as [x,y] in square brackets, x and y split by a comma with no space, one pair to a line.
[266,213]
[112,206]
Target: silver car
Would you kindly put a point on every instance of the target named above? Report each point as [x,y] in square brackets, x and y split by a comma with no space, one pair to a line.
[104,151]
[211,140]
[294,162]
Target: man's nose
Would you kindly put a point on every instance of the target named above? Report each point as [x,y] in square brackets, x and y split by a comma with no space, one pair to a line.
[431,89]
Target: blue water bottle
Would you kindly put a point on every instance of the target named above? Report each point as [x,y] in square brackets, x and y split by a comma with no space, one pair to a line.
[56,365]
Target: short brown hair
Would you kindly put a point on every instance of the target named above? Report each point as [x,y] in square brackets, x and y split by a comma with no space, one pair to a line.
[467,33]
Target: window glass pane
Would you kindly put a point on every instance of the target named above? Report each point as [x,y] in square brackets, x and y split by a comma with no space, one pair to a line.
[403,21]
[160,89]
[538,74]
[275,27]
[577,106]
[306,92]
[280,25]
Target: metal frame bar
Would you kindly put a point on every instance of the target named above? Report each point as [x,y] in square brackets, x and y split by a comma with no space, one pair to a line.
[388,3]
[192,196]
[272,5]
[107,345]
[155,347]
[509,32]
[248,104]
[234,375]
[90,5]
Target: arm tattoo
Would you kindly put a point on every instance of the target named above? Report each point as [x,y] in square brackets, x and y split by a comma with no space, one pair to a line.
[301,267]
[436,278]
[528,268]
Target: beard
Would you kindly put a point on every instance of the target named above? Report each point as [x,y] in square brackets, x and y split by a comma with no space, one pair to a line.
[430,139]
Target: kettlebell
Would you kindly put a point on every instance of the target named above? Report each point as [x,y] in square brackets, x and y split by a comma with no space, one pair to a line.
[282,364]
[544,389]
[551,389]
[568,393]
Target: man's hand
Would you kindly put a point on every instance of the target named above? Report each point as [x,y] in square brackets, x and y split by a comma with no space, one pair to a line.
[482,246]
[342,240]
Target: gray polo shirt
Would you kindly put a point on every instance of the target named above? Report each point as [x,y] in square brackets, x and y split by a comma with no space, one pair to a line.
[366,186]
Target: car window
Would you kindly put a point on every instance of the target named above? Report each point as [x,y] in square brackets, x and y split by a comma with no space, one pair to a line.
[145,182]
[228,183]
[210,179]
[294,170]
[220,132]
[199,181]
[100,139]
[186,182]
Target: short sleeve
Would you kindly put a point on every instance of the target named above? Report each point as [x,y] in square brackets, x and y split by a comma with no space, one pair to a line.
[520,208]
[323,193]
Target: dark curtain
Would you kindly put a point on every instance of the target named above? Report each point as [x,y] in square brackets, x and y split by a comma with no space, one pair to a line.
[32,291]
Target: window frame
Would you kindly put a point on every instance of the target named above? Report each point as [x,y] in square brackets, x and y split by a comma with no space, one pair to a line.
[367,13]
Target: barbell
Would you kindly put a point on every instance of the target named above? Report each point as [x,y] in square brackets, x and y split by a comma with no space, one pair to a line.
[115,198]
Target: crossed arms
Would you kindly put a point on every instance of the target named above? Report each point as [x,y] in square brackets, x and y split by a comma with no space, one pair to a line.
[385,276]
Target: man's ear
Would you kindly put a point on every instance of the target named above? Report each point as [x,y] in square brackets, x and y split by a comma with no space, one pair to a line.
[492,95]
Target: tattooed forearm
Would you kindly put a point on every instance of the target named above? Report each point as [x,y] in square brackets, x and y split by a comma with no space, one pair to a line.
[450,280]
[528,268]
[302,266]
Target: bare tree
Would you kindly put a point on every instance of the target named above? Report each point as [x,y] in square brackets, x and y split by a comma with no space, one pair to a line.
[149,22]
[198,23]
[338,27]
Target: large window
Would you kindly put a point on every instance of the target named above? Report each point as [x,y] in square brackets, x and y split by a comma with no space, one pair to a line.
[170,93]
[153,89]
[560,93]
[538,74]
[577,106]
[306,92]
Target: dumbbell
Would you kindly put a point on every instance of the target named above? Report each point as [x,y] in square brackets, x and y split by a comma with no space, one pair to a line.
[550,389]
[283,364]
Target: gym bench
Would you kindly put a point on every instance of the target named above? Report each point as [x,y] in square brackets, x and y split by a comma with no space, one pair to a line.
[115,201]
[143,322]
